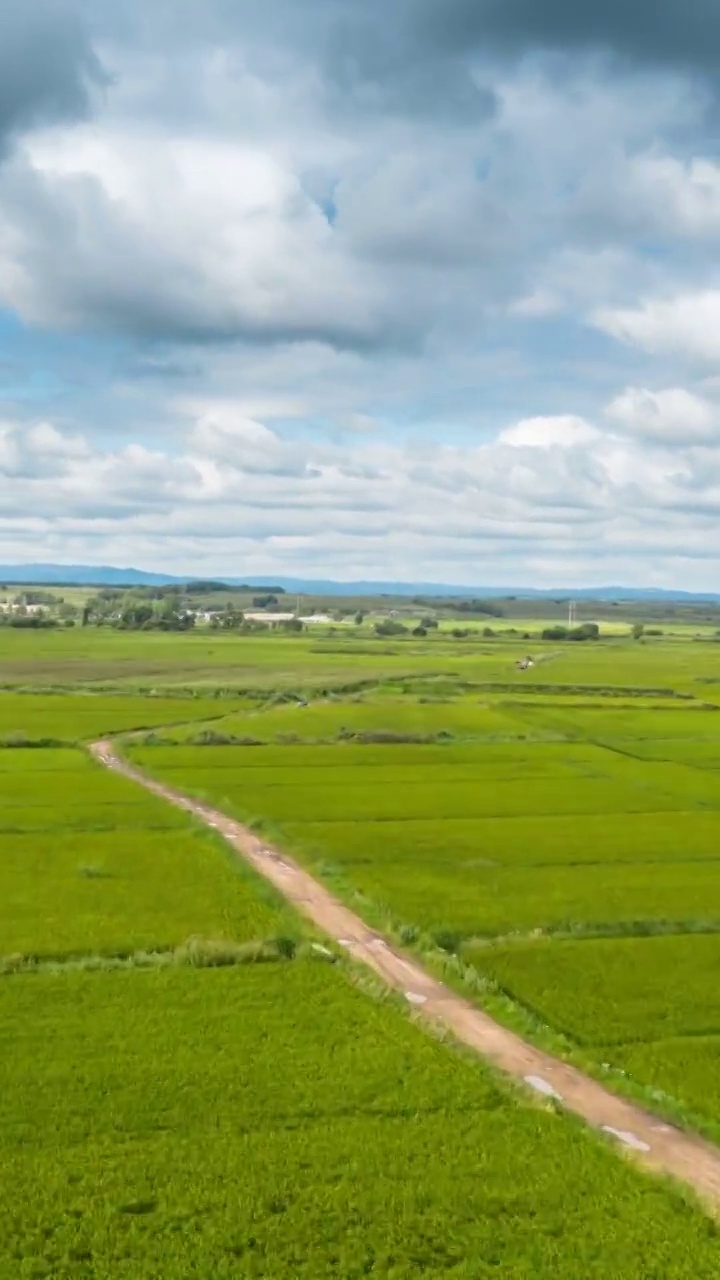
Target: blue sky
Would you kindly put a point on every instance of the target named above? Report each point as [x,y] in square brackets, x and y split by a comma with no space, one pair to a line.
[423,290]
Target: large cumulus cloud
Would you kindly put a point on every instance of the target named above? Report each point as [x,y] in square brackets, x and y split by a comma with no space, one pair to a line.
[48,67]
[361,285]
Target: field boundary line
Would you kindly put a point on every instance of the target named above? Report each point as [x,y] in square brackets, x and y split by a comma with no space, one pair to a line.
[655,1144]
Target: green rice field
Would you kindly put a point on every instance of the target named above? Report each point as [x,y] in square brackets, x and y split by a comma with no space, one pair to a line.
[92,864]
[578,823]
[189,1088]
[276,1122]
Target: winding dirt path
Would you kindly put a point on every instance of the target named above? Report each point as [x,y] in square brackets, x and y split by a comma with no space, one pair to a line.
[654,1143]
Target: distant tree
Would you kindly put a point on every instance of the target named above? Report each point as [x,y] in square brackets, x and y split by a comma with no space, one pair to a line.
[359,619]
[586,631]
[389,627]
[478,606]
[419,631]
[203,587]
[638,630]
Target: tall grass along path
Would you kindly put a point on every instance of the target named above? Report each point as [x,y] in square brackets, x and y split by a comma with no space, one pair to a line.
[657,1145]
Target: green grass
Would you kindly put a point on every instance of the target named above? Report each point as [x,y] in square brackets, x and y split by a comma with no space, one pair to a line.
[516,841]
[79,717]
[630,723]
[604,991]
[145,878]
[579,835]
[473,900]
[686,1070]
[506,757]
[328,721]
[700,755]
[433,797]
[17,762]
[275,1123]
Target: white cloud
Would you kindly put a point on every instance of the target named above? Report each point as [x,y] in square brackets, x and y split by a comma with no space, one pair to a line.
[238,496]
[176,236]
[687,325]
[544,433]
[333,245]
[672,416]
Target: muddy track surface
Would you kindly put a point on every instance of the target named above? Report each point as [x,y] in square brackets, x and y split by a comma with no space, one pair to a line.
[651,1141]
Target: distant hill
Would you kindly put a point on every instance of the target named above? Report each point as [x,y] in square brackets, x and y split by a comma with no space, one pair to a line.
[111,576]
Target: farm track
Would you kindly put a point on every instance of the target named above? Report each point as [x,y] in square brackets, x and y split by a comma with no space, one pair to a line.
[654,1143]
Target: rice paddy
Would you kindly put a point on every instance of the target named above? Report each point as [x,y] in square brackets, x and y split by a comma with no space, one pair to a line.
[188,1088]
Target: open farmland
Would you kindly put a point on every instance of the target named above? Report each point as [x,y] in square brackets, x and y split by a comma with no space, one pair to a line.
[276,1122]
[647,1006]
[30,718]
[90,864]
[586,817]
[337,720]
[273,1119]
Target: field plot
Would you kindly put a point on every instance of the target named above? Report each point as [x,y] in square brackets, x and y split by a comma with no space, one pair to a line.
[274,1122]
[336,720]
[472,900]
[525,841]
[258,792]
[152,660]
[89,863]
[74,717]
[505,757]
[699,755]
[648,1006]
[602,991]
[579,836]
[448,843]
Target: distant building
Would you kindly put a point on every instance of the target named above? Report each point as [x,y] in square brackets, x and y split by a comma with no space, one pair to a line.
[277,619]
[27,610]
[270,619]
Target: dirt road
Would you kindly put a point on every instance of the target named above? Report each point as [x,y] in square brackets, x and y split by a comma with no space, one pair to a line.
[654,1143]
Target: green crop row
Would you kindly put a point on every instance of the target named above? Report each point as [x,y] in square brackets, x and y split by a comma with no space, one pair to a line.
[34,762]
[93,864]
[700,755]
[432,797]
[519,841]
[114,892]
[605,991]
[76,717]
[466,900]
[318,721]
[607,721]
[518,756]
[275,1123]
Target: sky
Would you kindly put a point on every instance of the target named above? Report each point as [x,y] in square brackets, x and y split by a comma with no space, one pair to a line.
[420,290]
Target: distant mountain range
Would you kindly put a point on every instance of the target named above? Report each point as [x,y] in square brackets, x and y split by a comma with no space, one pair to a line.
[110,576]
